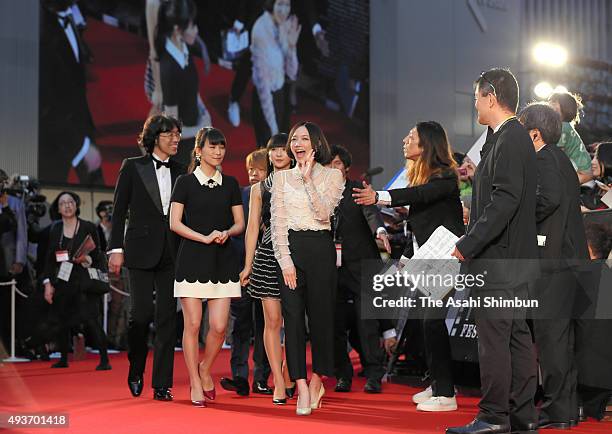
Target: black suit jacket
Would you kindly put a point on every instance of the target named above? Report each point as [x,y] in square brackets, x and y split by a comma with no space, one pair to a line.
[64,116]
[85,228]
[356,225]
[501,237]
[558,213]
[137,193]
[433,204]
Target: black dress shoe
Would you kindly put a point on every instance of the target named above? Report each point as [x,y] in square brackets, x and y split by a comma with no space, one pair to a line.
[479,427]
[104,366]
[573,423]
[162,394]
[343,385]
[373,385]
[60,364]
[262,388]
[530,428]
[238,385]
[135,384]
[554,425]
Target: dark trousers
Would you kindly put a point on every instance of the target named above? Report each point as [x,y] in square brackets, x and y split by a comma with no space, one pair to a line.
[282,108]
[243,311]
[72,307]
[372,354]
[242,77]
[346,332]
[507,362]
[553,332]
[314,295]
[438,351]
[152,299]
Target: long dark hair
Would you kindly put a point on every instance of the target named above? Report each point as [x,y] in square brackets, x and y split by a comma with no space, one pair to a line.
[317,139]
[214,137]
[173,13]
[436,157]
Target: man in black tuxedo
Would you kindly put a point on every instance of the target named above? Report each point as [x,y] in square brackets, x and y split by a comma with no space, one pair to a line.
[355,229]
[562,245]
[148,250]
[501,245]
[66,126]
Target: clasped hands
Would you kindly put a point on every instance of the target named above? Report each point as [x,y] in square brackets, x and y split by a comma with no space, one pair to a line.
[219,237]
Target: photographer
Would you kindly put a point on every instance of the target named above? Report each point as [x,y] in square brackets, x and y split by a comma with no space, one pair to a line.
[66,278]
[13,249]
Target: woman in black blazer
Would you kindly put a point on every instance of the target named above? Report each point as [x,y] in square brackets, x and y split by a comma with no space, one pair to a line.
[70,303]
[433,197]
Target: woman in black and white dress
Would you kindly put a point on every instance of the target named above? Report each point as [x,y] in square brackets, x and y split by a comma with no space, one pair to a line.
[207,266]
[260,264]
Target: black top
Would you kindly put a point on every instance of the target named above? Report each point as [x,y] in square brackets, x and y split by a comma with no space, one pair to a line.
[180,87]
[266,197]
[435,203]
[558,209]
[57,241]
[205,210]
[502,225]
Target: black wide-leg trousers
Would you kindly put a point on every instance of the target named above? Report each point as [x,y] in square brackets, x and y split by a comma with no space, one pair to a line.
[314,257]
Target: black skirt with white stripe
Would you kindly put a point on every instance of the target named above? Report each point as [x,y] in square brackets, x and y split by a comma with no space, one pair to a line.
[263,282]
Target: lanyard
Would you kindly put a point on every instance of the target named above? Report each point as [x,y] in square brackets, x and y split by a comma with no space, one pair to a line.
[61,241]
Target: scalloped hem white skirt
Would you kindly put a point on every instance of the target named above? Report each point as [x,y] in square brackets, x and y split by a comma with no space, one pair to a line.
[207,289]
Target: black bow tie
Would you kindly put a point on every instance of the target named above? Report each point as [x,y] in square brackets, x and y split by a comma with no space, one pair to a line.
[159,164]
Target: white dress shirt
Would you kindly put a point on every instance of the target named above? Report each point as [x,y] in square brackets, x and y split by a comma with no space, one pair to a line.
[164,181]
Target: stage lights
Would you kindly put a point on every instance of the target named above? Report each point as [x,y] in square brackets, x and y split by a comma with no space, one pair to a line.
[550,54]
[544,89]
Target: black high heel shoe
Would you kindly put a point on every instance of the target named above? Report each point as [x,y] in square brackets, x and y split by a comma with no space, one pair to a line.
[279,401]
[290,392]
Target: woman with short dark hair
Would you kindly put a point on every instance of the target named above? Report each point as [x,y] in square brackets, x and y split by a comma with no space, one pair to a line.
[206,211]
[176,32]
[303,201]
[65,278]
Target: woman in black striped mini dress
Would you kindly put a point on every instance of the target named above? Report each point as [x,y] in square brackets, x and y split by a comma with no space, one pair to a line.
[260,269]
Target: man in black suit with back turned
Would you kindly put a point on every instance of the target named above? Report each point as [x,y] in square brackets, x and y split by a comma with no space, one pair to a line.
[562,245]
[355,228]
[66,127]
[143,190]
[501,245]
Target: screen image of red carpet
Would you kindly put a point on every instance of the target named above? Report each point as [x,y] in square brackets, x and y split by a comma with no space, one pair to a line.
[100,402]
[119,106]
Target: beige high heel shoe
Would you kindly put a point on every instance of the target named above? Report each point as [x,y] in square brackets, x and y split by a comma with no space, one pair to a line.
[302,411]
[314,404]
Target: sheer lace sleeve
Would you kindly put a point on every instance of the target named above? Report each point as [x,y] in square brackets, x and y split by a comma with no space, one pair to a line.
[333,186]
[279,222]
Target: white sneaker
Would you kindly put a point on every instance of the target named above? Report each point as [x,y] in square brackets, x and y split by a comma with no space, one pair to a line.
[233,112]
[423,396]
[438,403]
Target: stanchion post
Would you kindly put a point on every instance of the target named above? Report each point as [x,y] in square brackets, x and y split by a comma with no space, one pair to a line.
[12,358]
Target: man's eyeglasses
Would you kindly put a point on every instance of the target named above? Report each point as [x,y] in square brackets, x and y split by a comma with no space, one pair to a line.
[171,134]
[484,78]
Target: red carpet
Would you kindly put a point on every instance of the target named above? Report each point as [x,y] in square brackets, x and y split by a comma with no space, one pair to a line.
[119,106]
[99,402]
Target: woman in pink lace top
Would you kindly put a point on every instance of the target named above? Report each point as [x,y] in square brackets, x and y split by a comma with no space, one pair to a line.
[303,201]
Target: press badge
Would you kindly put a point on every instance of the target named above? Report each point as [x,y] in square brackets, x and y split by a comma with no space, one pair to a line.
[338,254]
[64,271]
[541,240]
[62,256]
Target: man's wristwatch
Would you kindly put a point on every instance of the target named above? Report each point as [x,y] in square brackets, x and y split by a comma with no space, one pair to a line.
[376,198]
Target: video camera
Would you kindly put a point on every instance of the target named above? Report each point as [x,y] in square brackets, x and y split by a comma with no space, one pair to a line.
[27,189]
